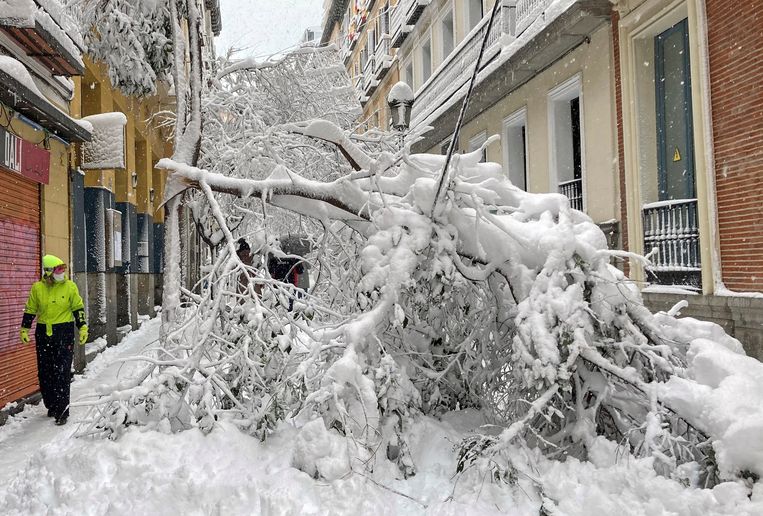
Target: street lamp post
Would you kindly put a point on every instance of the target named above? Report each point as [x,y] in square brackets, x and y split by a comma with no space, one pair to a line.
[400,101]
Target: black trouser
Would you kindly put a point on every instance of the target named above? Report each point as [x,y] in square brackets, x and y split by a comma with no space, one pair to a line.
[54,366]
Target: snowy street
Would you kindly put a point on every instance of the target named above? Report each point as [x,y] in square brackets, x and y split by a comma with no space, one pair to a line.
[44,469]
[381,257]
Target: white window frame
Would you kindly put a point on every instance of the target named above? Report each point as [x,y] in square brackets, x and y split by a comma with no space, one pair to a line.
[646,19]
[567,90]
[410,80]
[468,17]
[420,51]
[447,10]
[515,120]
[477,141]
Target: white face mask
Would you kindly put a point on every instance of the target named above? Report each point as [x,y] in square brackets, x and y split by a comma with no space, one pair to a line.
[58,278]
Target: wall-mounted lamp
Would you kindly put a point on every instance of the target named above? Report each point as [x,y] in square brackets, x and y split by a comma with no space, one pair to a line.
[151,195]
[134,179]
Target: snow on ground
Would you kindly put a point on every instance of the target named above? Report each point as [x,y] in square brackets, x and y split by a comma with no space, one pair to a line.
[44,470]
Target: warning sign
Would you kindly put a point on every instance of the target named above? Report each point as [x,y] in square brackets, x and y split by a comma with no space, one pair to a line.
[677,155]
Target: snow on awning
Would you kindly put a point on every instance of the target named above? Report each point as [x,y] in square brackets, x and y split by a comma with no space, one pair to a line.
[20,93]
[42,37]
[107,148]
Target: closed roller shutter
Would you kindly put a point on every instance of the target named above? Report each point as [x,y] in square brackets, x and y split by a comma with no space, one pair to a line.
[19,268]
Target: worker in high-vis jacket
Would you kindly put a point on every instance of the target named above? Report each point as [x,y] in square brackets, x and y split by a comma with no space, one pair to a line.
[56,303]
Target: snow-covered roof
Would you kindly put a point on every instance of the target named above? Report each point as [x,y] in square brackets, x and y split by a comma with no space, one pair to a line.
[45,30]
[20,92]
[59,13]
[107,147]
[16,69]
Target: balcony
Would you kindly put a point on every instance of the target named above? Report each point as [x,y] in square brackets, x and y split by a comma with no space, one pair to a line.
[358,82]
[512,61]
[574,191]
[671,230]
[41,35]
[528,11]
[457,69]
[382,57]
[370,82]
[404,15]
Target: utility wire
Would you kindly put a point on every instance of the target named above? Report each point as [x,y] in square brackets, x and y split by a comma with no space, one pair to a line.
[462,114]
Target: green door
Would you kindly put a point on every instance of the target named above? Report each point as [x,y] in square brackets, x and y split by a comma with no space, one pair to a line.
[675,146]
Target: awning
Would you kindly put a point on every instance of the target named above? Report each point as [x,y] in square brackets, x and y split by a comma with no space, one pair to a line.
[40,43]
[39,109]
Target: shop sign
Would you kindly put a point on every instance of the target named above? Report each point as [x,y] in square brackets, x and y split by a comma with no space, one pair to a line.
[23,157]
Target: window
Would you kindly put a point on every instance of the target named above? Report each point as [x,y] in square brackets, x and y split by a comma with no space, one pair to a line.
[409,74]
[675,149]
[384,19]
[566,141]
[371,41]
[448,37]
[363,58]
[661,81]
[515,148]
[426,60]
[478,141]
[474,13]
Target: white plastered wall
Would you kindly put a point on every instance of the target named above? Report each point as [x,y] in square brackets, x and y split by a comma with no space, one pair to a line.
[593,62]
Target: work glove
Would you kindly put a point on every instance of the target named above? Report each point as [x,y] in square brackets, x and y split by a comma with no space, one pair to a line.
[83,334]
[24,334]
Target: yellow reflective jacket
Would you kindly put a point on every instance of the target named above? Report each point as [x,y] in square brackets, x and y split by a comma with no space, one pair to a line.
[54,303]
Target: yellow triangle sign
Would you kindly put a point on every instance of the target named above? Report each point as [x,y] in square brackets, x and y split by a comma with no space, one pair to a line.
[677,155]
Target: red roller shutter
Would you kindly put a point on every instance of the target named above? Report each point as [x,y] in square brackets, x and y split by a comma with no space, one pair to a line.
[19,268]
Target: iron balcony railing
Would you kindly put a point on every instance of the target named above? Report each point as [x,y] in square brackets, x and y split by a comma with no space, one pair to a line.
[672,228]
[528,11]
[574,191]
[457,68]
[404,14]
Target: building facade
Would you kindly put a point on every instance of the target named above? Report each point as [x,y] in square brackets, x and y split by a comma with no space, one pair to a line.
[645,113]
[62,194]
[689,105]
[363,32]
[38,135]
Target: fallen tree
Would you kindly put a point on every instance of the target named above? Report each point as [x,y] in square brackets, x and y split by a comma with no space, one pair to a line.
[487,297]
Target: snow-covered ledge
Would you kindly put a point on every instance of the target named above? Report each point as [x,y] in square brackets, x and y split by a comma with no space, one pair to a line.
[740,314]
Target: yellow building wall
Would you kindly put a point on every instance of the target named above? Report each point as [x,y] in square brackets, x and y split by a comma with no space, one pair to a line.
[55,205]
[96,95]
[97,98]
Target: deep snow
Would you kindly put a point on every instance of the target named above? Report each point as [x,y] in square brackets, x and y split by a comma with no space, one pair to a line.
[45,470]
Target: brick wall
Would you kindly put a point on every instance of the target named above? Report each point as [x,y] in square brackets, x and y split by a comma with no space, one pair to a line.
[735,39]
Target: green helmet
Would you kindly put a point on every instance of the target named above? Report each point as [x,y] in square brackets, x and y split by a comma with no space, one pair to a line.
[49,261]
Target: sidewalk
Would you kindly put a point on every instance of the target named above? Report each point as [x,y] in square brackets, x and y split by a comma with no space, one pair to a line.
[28,431]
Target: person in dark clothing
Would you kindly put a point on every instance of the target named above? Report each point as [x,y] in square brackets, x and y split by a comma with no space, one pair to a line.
[244,253]
[286,270]
[56,303]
